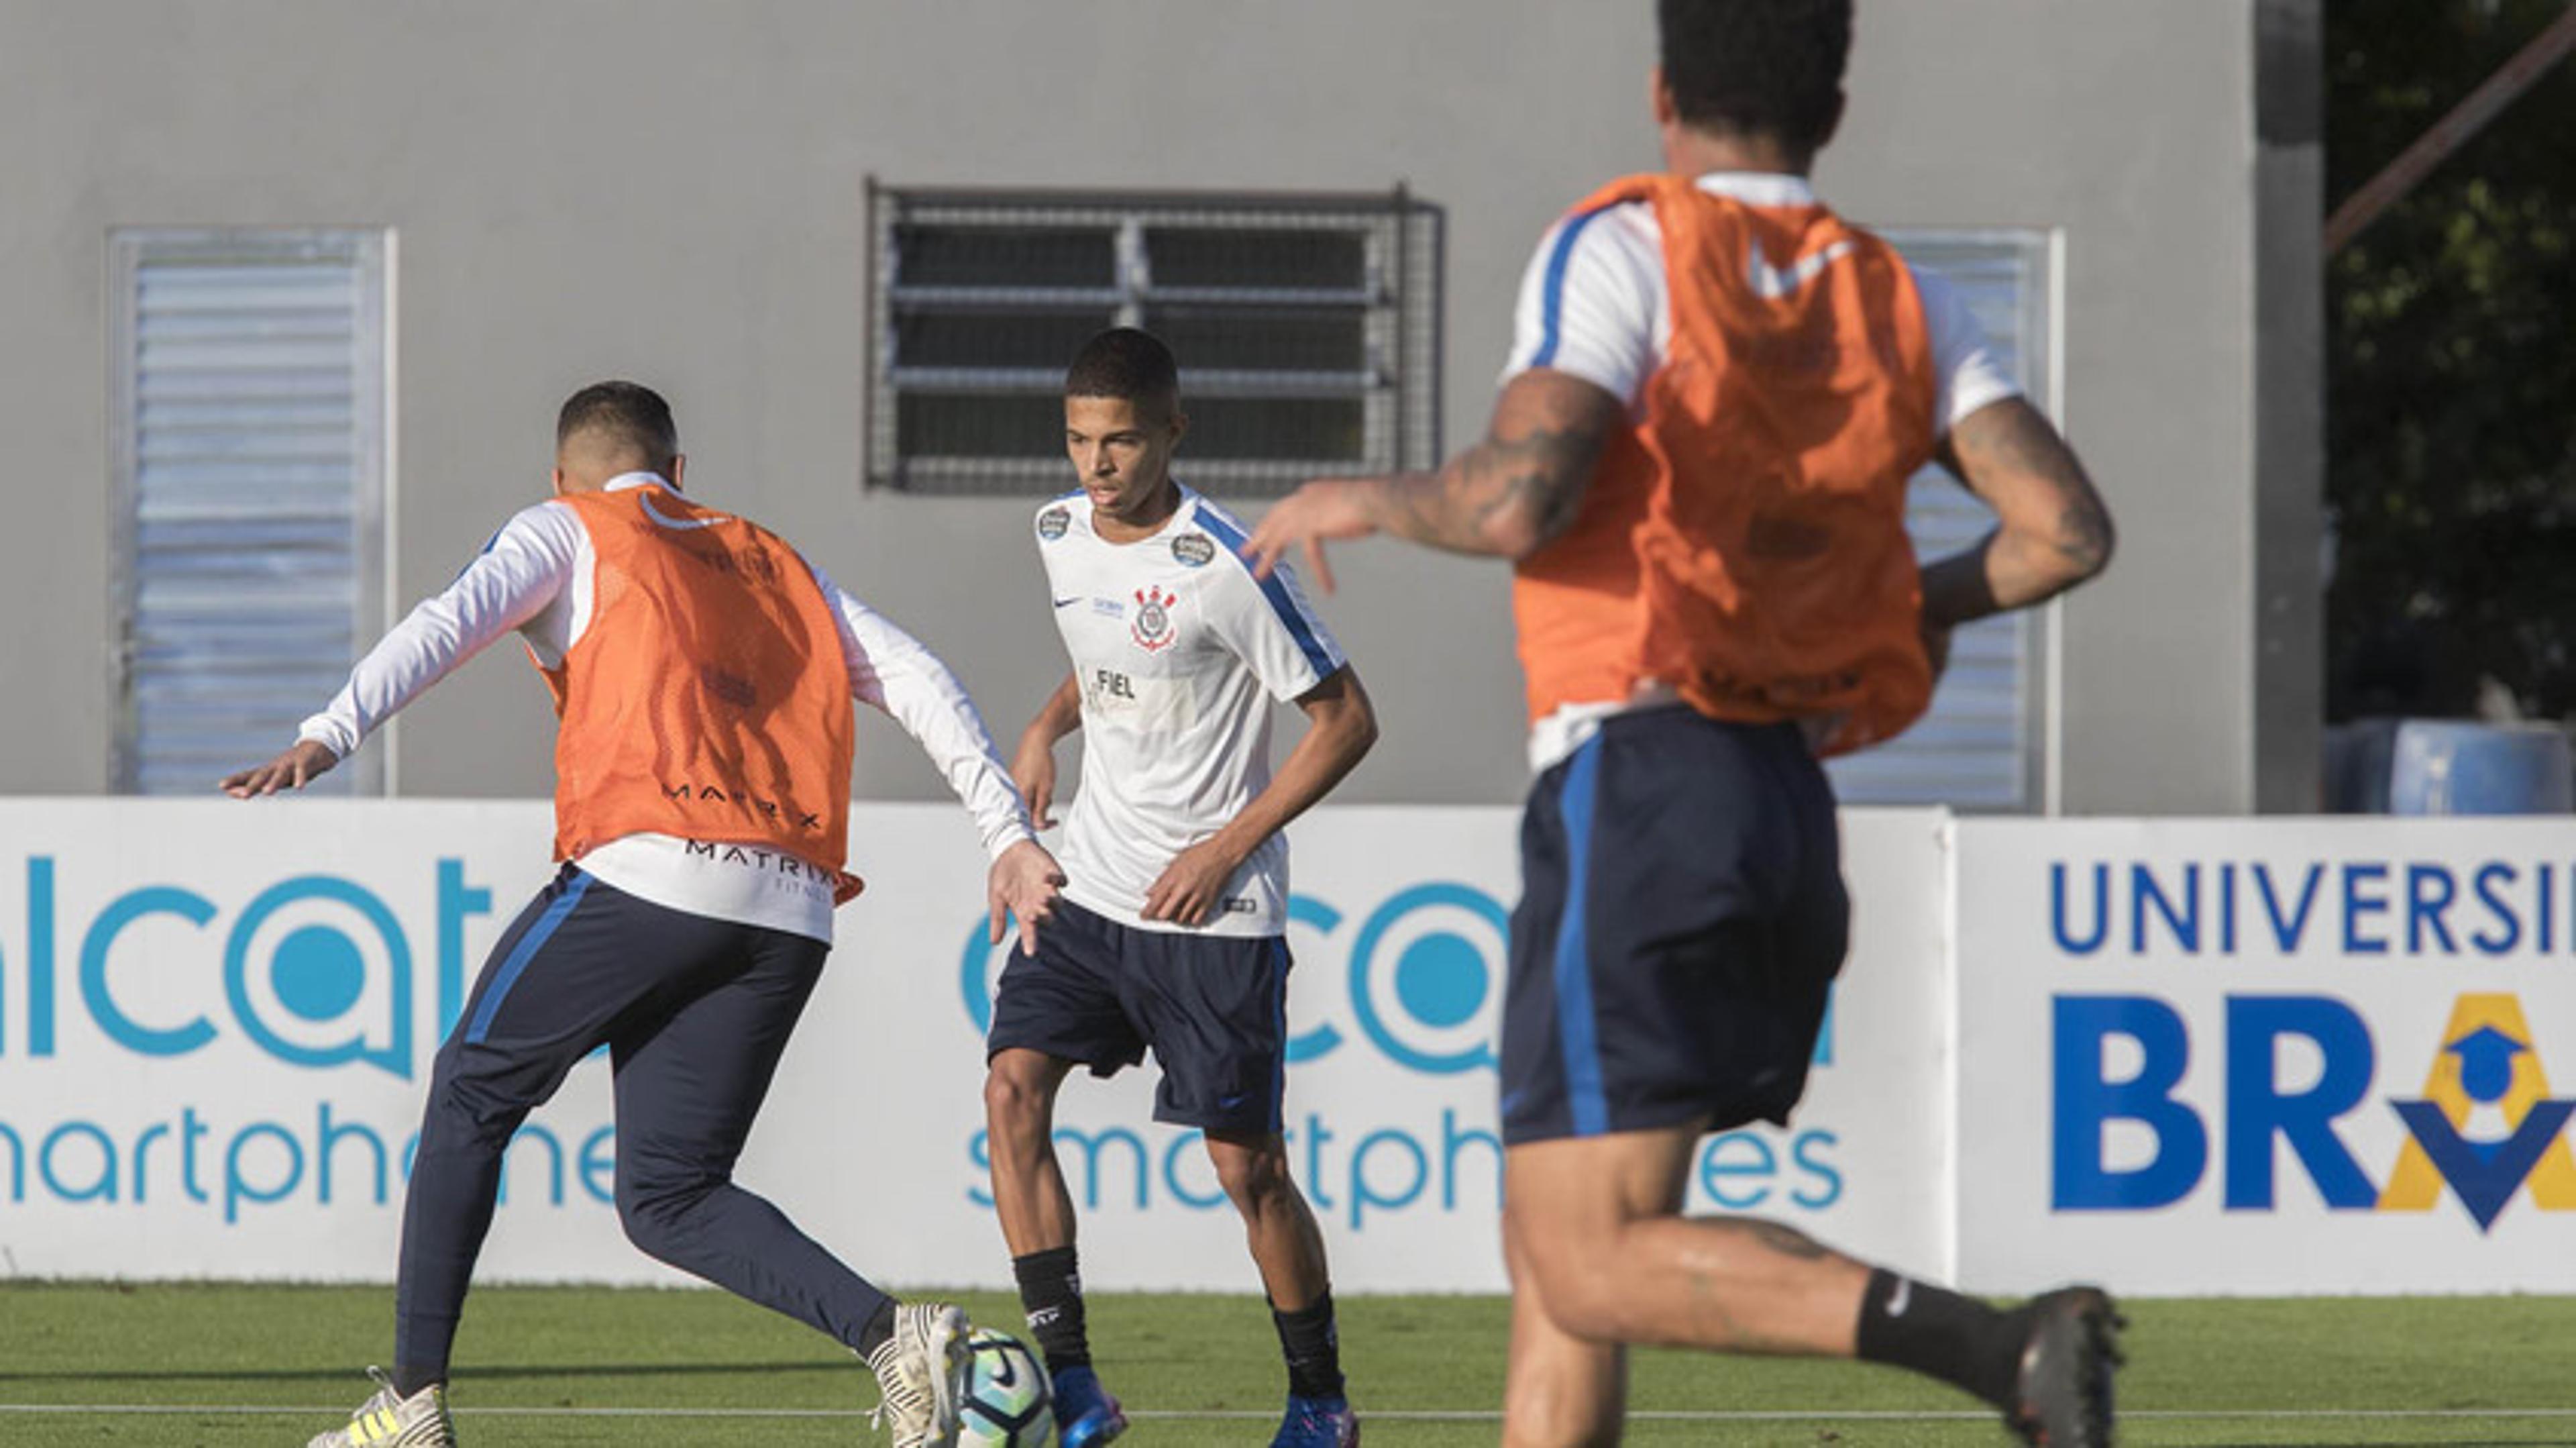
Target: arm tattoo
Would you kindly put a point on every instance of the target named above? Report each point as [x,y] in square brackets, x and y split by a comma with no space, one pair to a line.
[2017,442]
[2084,532]
[1520,486]
[1539,473]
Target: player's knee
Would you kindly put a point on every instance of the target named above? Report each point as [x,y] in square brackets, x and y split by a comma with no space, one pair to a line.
[1571,1275]
[465,1106]
[1016,1099]
[654,1210]
[1580,1304]
[1253,1174]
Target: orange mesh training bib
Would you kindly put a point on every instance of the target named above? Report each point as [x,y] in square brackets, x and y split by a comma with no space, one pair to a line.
[708,696]
[1744,542]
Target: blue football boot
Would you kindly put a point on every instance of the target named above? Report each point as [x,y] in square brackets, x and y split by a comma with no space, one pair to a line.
[1085,1415]
[1318,1423]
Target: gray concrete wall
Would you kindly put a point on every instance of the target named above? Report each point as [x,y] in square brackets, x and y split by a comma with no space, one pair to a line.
[673,191]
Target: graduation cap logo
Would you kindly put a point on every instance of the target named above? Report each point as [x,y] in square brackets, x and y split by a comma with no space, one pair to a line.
[2487,1060]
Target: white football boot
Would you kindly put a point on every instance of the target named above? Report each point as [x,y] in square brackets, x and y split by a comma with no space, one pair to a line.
[920,1370]
[390,1420]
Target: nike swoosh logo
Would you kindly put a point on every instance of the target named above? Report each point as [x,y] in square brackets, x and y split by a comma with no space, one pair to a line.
[1067,602]
[1901,1298]
[1774,282]
[667,521]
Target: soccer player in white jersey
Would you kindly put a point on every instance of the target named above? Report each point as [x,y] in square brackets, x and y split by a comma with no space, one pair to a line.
[703,675]
[1171,933]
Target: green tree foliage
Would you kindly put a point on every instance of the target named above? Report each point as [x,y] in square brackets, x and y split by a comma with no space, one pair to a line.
[2451,429]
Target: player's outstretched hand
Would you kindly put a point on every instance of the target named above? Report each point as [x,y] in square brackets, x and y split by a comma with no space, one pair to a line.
[1189,889]
[1327,508]
[1023,883]
[1033,771]
[299,766]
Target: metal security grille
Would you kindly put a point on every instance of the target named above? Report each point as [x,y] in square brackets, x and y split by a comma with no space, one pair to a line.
[1306,328]
[249,420]
[1984,743]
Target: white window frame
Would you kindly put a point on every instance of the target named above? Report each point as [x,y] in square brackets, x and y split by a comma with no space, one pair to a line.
[1944,516]
[369,252]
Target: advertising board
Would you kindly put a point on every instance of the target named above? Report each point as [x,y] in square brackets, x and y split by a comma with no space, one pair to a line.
[217,1019]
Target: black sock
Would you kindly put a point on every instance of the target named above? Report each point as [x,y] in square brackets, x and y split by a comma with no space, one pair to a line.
[1313,1349]
[1051,1294]
[411,1378]
[879,1331]
[1957,1339]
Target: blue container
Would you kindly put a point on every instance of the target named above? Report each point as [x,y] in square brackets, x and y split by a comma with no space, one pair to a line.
[2360,758]
[2444,767]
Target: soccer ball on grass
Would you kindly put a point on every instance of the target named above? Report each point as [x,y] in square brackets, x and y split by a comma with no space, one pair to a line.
[1006,1402]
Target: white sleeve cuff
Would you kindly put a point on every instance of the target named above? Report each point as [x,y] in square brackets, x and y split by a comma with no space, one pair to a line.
[330,733]
[998,842]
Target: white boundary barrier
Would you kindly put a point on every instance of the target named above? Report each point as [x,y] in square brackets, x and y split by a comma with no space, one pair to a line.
[2268,1056]
[216,1019]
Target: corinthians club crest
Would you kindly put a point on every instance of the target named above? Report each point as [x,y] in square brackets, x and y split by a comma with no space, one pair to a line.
[1151,628]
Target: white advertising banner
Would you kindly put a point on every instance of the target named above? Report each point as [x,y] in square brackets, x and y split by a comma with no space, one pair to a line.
[216,1021]
[2288,1056]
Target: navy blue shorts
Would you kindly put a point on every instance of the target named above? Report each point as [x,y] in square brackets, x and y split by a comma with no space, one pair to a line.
[1213,1008]
[695,1012]
[1682,916]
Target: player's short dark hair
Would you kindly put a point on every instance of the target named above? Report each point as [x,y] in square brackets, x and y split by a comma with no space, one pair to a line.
[628,411]
[1772,66]
[1127,363]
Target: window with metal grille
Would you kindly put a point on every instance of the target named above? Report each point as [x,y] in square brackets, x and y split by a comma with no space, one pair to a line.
[1306,329]
[249,433]
[1984,744]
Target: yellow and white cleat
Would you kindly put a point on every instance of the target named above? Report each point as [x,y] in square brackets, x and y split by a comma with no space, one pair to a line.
[920,1370]
[390,1420]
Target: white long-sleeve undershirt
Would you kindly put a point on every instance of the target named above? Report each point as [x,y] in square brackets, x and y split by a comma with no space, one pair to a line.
[535,577]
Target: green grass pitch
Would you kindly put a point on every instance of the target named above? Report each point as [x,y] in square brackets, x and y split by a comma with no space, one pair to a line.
[237,1365]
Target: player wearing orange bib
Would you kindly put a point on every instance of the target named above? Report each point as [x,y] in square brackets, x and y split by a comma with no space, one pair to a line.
[1698,463]
[703,673]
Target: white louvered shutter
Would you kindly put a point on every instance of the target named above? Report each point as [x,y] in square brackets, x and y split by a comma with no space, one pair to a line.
[1307,330]
[1980,746]
[251,472]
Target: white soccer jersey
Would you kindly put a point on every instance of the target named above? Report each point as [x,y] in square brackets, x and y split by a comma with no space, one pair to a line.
[1179,654]
[1594,302]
